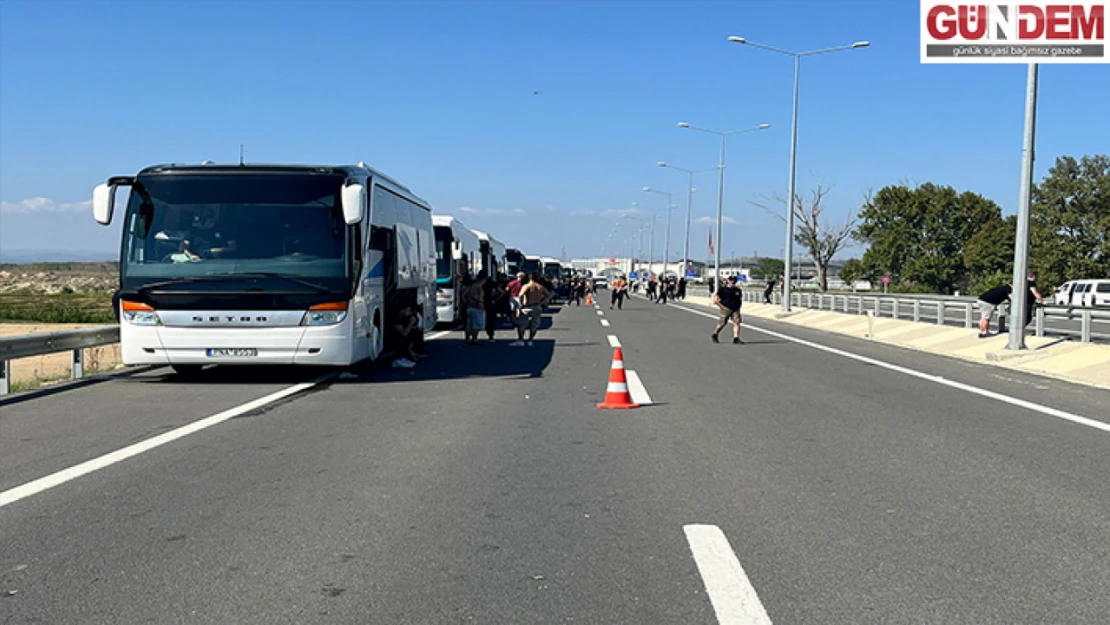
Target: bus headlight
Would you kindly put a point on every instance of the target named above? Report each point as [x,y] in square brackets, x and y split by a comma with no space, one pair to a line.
[139,314]
[327,314]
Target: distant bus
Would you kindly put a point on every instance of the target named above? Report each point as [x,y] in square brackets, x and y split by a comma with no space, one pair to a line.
[457,256]
[319,257]
[552,269]
[492,255]
[514,261]
[532,264]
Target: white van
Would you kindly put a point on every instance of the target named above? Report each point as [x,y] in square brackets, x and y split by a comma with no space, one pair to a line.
[1083,293]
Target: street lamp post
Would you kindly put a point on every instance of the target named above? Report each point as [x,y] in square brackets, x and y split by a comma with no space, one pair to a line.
[689,201]
[721,188]
[1021,294]
[789,256]
[667,237]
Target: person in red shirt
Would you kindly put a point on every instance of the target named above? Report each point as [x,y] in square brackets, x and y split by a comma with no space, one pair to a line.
[513,288]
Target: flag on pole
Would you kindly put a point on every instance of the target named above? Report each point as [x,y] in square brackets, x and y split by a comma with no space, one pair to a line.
[711,242]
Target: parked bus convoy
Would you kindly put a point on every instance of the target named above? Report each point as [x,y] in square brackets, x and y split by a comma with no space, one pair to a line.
[337,263]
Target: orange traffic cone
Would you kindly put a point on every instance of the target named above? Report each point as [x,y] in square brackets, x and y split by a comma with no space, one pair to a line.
[617,395]
[589,299]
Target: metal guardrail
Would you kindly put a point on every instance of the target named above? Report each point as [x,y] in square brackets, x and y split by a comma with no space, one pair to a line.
[945,310]
[13,347]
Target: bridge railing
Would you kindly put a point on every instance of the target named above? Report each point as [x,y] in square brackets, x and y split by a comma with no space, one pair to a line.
[1093,323]
[76,341]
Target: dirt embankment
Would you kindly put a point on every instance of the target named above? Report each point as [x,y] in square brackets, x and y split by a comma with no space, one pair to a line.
[22,287]
[55,278]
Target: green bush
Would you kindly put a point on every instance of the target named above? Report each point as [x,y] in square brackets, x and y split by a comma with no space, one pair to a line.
[982,284]
[60,308]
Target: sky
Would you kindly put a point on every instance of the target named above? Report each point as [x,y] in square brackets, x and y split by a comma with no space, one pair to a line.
[442,96]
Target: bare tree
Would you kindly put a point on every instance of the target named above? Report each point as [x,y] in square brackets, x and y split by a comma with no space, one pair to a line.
[822,240]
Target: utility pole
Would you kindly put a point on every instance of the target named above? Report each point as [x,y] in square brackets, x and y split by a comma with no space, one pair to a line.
[1020,291]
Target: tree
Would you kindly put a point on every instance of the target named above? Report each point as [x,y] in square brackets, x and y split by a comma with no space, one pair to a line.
[769,268]
[821,239]
[917,235]
[853,271]
[1070,221]
[989,253]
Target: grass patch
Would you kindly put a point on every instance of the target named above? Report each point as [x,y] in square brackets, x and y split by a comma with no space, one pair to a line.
[38,382]
[59,308]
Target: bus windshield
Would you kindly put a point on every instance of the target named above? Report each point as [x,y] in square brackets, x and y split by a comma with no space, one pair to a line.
[443,252]
[528,266]
[192,225]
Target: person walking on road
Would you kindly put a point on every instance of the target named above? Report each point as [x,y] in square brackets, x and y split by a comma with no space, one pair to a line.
[533,297]
[663,286]
[728,301]
[617,297]
[474,298]
[767,290]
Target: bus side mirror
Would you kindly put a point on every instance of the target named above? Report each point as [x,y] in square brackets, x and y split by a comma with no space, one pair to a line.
[354,199]
[104,199]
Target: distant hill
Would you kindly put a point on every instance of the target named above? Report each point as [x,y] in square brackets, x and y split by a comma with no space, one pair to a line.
[22,257]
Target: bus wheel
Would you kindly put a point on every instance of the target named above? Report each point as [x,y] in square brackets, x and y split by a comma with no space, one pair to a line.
[187,371]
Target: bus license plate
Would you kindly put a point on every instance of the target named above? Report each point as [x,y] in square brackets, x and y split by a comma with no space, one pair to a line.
[232,352]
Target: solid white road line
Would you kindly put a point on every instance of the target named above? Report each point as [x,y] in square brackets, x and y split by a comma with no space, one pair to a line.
[61,477]
[37,486]
[733,597]
[1014,401]
[605,323]
[614,341]
[636,388]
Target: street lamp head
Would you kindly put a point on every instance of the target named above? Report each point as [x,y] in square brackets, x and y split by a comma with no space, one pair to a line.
[861,44]
[735,39]
[683,125]
[661,164]
[764,126]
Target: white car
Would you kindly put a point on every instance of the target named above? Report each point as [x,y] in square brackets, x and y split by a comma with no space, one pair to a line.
[601,282]
[1083,293]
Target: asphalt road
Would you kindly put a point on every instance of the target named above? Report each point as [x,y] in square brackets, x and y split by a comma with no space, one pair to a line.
[485,487]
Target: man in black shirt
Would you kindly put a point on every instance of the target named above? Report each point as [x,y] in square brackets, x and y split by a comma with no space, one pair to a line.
[728,300]
[993,298]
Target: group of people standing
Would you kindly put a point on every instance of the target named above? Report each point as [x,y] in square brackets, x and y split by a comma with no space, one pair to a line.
[521,300]
[990,300]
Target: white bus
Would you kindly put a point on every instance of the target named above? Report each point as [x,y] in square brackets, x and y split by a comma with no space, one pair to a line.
[457,255]
[532,264]
[492,255]
[322,258]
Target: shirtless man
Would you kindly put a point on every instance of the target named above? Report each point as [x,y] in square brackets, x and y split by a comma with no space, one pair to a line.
[620,289]
[533,297]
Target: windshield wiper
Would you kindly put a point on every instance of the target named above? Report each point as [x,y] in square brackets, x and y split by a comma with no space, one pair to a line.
[274,274]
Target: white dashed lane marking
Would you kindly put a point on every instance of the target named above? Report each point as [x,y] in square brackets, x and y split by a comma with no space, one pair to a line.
[734,599]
